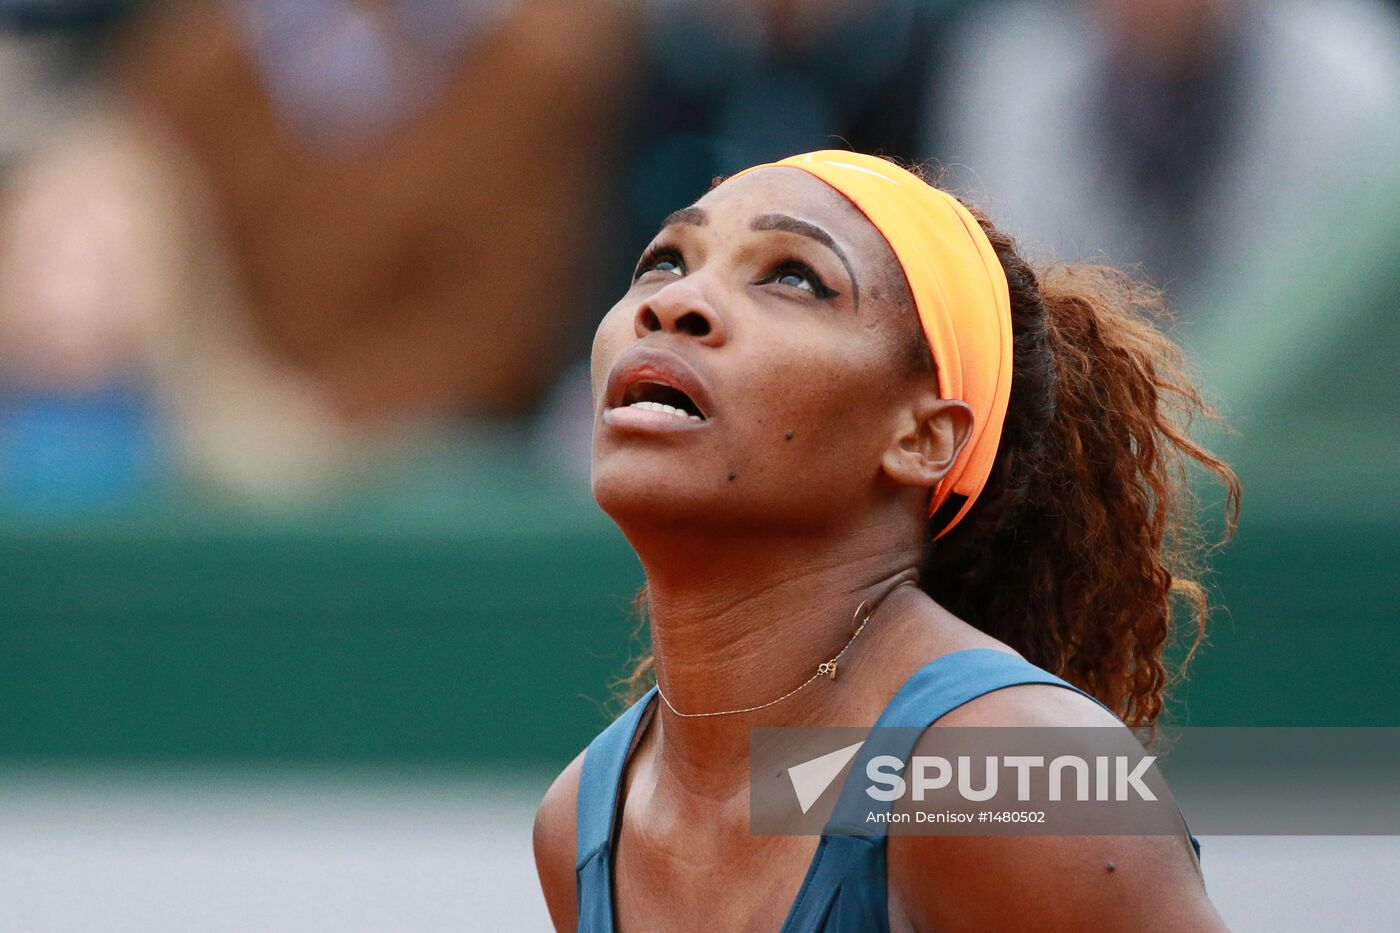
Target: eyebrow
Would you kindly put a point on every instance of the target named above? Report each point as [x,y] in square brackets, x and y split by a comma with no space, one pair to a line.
[695,216]
[802,228]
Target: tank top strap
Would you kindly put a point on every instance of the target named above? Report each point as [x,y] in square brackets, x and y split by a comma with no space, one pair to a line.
[599,784]
[930,693]
[950,681]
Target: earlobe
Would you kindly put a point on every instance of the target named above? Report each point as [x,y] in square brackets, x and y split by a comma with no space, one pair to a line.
[931,437]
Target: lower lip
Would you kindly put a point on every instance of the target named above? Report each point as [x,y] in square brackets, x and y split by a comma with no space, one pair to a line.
[629,418]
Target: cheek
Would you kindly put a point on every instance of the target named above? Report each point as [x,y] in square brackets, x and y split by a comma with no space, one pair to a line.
[833,408]
[610,340]
[829,391]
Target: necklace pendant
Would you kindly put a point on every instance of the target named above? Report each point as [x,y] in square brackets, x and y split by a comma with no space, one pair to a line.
[828,668]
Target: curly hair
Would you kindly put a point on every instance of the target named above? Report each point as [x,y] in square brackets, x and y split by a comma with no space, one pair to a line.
[1087,531]
[1087,528]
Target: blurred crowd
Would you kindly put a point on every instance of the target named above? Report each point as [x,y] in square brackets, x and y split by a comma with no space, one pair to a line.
[268,247]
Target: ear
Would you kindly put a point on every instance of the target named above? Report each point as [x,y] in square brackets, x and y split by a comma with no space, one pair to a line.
[931,434]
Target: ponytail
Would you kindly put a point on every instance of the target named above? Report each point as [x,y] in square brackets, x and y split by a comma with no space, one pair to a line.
[1087,531]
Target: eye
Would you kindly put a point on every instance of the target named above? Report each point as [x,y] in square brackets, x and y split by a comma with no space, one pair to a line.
[794,274]
[796,280]
[662,259]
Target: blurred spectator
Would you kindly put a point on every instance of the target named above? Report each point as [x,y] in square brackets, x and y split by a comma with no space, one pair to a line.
[403,184]
[1170,134]
[122,336]
[314,227]
[78,421]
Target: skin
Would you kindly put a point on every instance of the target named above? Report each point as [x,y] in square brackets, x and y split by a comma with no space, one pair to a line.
[754,580]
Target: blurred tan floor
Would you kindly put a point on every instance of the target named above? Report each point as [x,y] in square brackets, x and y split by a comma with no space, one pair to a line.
[352,851]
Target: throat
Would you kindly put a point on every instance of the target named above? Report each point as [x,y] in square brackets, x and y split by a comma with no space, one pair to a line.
[760,656]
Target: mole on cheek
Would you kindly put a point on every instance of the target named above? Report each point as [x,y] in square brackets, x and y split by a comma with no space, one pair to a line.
[732,474]
[788,435]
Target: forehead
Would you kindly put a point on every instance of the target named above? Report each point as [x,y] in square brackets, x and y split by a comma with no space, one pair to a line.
[797,194]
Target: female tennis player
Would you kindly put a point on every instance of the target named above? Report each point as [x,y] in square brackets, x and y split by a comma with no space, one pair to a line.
[832,387]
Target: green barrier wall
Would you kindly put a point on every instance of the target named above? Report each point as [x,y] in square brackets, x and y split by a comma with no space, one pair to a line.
[486,629]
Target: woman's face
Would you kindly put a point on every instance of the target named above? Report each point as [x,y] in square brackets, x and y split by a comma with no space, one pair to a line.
[767,337]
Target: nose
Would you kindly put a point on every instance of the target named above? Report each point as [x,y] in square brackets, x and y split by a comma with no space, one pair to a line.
[681,307]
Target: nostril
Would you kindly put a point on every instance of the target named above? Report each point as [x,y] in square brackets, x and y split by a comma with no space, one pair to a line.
[693,323]
[649,319]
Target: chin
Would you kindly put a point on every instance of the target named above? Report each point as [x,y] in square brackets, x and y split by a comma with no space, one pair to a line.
[636,494]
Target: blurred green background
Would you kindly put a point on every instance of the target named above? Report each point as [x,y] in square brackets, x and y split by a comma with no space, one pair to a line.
[480,618]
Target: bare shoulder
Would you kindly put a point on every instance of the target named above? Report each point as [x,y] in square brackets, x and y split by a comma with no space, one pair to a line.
[1140,883]
[554,845]
[1048,883]
[1031,705]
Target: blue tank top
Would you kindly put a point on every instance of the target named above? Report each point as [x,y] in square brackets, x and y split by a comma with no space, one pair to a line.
[844,890]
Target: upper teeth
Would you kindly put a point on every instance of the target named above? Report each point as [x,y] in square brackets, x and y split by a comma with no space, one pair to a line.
[668,409]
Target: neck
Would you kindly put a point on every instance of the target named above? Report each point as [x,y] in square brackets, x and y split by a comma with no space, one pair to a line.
[738,621]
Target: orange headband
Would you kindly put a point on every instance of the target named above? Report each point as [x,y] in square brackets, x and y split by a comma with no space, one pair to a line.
[959,290]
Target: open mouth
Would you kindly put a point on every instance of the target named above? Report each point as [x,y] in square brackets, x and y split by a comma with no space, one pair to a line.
[656,396]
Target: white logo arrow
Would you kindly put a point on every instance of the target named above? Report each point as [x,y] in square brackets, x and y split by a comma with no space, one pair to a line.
[811,778]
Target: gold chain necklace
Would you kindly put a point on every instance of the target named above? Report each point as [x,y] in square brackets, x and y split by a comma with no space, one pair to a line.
[827,668]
